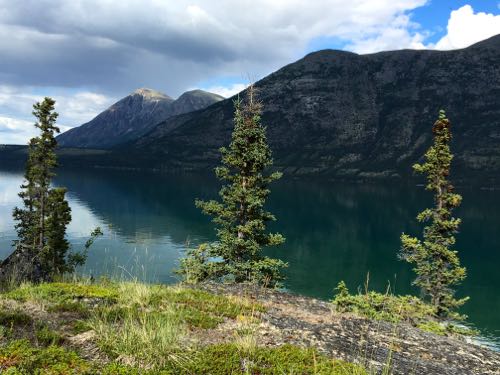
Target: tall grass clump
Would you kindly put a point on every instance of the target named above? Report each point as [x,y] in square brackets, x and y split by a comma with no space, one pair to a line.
[136,329]
[138,336]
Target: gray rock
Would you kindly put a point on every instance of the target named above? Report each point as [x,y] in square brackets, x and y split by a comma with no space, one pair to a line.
[381,347]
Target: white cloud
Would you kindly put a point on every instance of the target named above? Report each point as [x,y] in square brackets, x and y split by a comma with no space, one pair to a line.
[117,44]
[75,109]
[227,91]
[17,100]
[16,120]
[466,27]
[401,33]
[76,50]
[14,131]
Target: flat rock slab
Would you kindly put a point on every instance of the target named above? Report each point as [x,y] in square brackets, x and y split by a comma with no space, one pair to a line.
[377,345]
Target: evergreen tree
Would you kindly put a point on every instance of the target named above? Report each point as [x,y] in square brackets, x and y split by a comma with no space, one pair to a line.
[54,253]
[437,266]
[39,172]
[41,223]
[240,216]
[34,224]
[41,249]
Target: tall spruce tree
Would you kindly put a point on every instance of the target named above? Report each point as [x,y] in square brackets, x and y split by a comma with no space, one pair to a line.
[437,266]
[41,164]
[41,248]
[240,216]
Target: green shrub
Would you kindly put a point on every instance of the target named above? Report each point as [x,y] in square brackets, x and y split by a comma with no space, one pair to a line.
[79,326]
[46,336]
[63,292]
[222,359]
[395,309]
[445,329]
[380,306]
[14,318]
[19,357]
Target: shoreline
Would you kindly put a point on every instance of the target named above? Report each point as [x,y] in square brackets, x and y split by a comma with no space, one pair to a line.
[238,317]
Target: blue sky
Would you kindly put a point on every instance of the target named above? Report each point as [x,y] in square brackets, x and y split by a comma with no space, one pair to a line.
[434,16]
[89,53]
[431,18]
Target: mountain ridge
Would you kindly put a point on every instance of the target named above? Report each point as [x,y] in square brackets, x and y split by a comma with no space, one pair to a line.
[343,116]
[133,116]
[353,116]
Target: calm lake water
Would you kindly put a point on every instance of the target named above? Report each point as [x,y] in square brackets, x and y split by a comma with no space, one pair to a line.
[335,231]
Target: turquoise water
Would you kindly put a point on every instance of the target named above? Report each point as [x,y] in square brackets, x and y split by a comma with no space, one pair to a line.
[335,231]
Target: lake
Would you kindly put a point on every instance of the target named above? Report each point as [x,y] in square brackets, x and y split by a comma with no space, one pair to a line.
[335,231]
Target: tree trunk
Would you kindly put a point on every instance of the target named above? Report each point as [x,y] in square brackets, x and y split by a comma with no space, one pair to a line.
[242,209]
[42,221]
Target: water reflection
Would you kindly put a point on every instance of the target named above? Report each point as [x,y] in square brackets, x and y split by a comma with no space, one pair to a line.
[334,231]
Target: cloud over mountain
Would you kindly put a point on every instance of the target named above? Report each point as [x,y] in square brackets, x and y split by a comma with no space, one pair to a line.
[466,27]
[114,45]
[107,48]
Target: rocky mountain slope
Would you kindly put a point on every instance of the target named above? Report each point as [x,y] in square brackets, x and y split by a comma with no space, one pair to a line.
[353,116]
[132,117]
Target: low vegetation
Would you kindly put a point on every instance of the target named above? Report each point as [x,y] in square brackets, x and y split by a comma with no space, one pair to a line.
[396,309]
[134,328]
[22,357]
[227,359]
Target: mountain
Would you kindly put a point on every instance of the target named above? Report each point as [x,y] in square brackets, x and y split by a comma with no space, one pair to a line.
[194,100]
[132,117]
[355,116]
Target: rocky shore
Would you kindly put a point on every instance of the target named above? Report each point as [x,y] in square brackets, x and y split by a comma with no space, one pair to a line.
[131,328]
[377,345]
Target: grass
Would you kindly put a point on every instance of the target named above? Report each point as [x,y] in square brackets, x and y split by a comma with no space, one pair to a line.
[79,326]
[59,293]
[152,338]
[69,306]
[446,329]
[14,318]
[154,329]
[149,322]
[380,306]
[46,336]
[395,309]
[222,359]
[143,329]
[20,357]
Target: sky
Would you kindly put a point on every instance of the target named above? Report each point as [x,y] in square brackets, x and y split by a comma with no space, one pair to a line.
[87,54]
